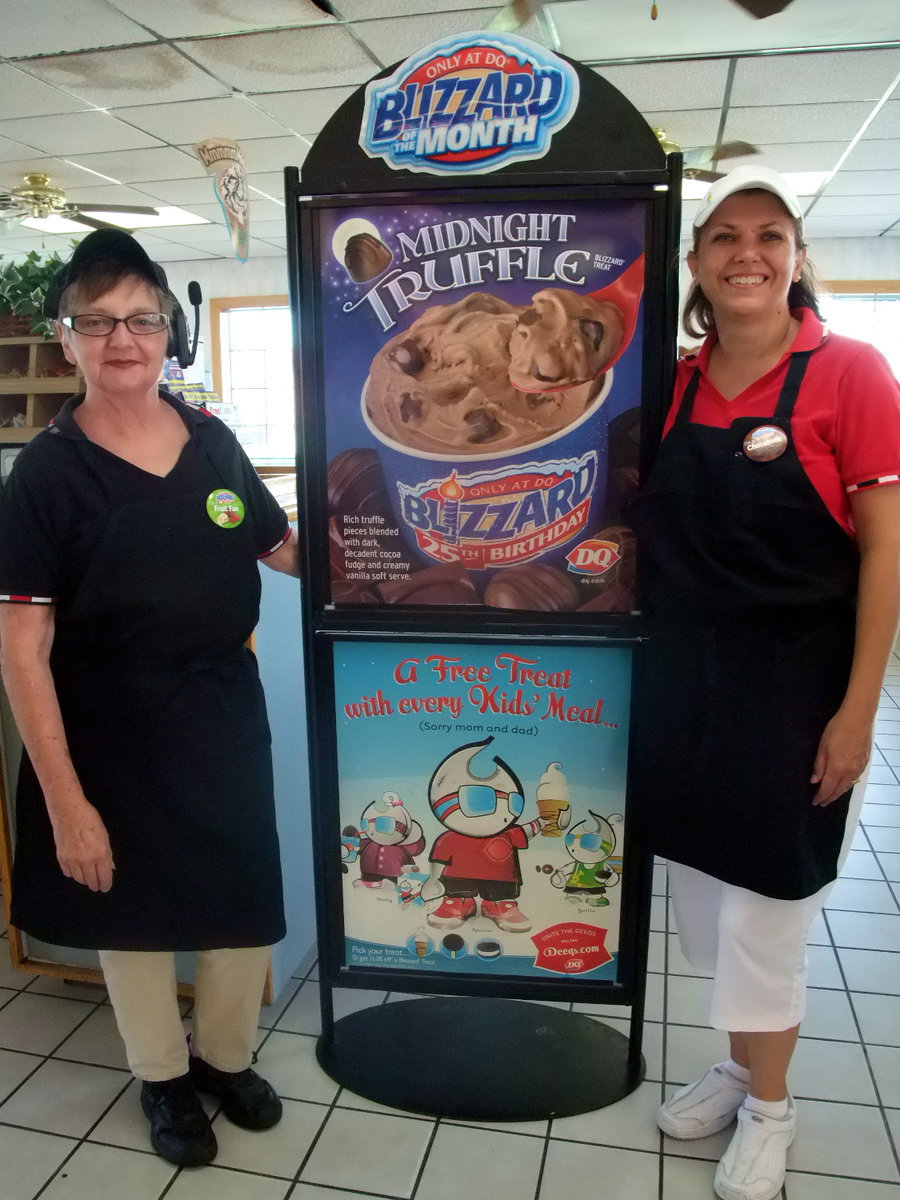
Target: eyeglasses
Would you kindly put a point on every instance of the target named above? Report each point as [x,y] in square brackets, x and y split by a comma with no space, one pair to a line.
[95,325]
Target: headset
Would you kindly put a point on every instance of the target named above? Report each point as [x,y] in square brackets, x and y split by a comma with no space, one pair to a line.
[119,247]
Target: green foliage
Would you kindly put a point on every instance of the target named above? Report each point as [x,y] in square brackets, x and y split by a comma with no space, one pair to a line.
[23,284]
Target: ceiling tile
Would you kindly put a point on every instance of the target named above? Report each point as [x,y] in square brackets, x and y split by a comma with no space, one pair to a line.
[256,62]
[874,155]
[109,193]
[272,154]
[796,78]
[697,128]
[845,226]
[136,166]
[11,151]
[196,18]
[671,85]
[61,173]
[77,133]
[305,112]
[690,28]
[794,156]
[392,40]
[857,206]
[38,27]
[265,249]
[165,252]
[864,183]
[269,182]
[361,10]
[25,96]
[113,78]
[796,122]
[887,123]
[187,191]
[229,116]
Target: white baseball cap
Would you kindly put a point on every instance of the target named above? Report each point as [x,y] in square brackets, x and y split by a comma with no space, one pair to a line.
[743,179]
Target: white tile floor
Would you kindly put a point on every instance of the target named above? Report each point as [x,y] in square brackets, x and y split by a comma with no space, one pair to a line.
[71,1128]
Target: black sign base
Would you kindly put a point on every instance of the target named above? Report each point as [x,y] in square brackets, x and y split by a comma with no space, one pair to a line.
[478,1059]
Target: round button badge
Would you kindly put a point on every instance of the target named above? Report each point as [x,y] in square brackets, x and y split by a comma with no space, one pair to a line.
[765,442]
[225,508]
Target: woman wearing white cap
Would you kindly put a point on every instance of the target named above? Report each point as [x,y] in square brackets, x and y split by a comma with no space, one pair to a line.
[771,537]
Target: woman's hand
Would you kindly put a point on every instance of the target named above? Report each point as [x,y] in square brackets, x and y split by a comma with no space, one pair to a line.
[841,758]
[82,848]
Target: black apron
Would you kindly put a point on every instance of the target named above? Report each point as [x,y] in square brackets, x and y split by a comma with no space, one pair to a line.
[749,585]
[167,728]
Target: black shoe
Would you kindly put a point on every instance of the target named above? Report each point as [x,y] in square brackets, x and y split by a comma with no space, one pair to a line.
[179,1128]
[247,1099]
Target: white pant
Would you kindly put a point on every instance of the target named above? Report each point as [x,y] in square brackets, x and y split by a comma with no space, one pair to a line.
[227,994]
[754,945]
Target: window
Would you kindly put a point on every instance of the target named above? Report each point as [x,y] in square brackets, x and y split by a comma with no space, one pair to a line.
[253,374]
[868,310]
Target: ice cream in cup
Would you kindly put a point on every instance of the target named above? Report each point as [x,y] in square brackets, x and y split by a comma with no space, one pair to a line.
[483,471]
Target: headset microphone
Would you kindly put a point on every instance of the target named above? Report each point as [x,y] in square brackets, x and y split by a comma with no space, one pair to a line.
[195,296]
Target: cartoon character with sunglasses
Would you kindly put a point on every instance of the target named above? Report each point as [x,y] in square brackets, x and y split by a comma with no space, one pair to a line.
[592,868]
[478,854]
[388,839]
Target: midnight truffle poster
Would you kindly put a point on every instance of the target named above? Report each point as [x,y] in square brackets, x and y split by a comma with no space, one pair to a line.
[482,802]
[481,372]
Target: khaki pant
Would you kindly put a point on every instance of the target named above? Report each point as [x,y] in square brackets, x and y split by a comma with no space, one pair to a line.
[227,995]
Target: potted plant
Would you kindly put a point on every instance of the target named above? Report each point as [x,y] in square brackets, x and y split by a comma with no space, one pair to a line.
[23,283]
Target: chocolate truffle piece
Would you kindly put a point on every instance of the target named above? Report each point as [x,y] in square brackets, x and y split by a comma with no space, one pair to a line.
[533,586]
[356,485]
[365,257]
[623,537]
[617,598]
[449,584]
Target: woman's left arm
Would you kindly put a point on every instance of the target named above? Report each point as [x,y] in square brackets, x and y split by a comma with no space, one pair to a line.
[286,558]
[847,740]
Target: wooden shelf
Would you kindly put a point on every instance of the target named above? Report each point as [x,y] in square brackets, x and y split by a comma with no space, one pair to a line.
[26,390]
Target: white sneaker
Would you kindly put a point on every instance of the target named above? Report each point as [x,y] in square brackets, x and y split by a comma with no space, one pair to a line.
[754,1164]
[704,1107]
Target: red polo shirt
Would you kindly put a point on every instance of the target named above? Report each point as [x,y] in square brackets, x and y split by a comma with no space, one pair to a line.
[846,422]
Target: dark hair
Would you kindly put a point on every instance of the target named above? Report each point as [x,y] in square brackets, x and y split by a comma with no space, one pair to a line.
[100,278]
[697,317]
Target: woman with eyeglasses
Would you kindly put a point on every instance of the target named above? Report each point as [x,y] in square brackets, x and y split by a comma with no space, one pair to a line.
[130,534]
[770,526]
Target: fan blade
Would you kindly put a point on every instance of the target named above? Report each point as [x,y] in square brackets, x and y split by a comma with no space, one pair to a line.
[514,15]
[704,176]
[763,8]
[701,155]
[135,209]
[81,219]
[733,150]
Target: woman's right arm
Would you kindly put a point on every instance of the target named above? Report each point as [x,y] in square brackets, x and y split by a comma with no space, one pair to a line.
[82,845]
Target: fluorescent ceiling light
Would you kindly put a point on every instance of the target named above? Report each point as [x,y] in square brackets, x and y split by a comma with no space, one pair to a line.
[166,217]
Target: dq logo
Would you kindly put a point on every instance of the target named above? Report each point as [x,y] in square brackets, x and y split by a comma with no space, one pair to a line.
[593,557]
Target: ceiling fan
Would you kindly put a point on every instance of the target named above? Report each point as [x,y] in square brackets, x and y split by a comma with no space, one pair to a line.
[37,197]
[517,12]
[695,160]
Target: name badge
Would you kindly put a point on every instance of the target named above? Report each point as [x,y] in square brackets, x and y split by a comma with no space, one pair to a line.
[765,442]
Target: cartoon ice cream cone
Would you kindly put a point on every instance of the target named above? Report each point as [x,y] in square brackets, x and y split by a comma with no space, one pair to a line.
[553,801]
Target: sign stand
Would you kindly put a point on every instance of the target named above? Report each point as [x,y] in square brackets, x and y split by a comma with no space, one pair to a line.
[471,643]
[478,1059]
